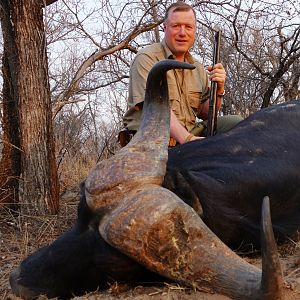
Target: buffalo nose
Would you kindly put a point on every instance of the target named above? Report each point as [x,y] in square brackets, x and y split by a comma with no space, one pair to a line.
[13,279]
[18,289]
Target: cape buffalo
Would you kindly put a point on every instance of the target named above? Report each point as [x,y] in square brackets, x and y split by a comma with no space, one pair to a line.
[140,209]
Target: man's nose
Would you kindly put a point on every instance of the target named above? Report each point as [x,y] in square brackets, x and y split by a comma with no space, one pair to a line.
[182,30]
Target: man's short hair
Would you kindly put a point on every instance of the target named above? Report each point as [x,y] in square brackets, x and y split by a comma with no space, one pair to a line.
[178,6]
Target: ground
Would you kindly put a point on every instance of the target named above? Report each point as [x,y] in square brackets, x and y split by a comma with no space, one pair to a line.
[22,235]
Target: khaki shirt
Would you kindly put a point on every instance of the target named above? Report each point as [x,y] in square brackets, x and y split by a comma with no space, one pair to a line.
[187,88]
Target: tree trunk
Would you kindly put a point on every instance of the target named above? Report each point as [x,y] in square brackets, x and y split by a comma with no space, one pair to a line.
[291,89]
[39,185]
[10,164]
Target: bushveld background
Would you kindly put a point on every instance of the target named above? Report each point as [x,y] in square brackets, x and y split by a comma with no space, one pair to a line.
[86,49]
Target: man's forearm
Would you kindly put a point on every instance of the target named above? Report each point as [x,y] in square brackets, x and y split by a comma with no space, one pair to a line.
[178,132]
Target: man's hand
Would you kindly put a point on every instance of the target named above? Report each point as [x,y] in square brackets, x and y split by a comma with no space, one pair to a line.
[179,133]
[194,138]
[217,73]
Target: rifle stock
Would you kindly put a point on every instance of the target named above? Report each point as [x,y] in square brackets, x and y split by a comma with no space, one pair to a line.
[213,110]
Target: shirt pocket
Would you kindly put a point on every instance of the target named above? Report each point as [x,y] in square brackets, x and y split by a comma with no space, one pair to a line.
[194,99]
[174,99]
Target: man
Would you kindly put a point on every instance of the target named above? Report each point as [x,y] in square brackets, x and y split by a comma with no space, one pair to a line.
[188,89]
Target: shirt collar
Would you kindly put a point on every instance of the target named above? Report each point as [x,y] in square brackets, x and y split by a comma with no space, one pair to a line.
[169,54]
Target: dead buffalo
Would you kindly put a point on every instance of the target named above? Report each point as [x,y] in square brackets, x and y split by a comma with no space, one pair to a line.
[225,178]
[134,216]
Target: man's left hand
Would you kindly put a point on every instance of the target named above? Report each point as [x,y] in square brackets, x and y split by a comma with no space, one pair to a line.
[217,73]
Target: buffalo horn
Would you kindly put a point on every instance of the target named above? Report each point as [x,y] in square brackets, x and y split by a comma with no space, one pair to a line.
[272,278]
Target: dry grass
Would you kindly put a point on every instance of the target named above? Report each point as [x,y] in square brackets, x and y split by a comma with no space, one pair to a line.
[21,235]
[69,177]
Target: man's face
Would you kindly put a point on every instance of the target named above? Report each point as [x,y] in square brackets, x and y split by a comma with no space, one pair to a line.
[180,31]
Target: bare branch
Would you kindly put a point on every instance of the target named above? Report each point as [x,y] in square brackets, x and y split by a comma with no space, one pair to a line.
[99,55]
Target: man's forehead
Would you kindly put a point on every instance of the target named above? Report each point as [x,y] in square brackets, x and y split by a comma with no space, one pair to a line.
[181,15]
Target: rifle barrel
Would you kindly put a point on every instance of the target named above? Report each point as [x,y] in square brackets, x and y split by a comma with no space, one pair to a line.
[213,110]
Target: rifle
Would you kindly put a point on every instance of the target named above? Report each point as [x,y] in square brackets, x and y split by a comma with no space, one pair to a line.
[213,110]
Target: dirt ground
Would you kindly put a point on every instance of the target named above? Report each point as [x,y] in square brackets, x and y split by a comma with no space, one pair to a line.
[21,235]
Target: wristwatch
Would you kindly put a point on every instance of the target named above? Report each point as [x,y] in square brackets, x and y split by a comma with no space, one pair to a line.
[221,95]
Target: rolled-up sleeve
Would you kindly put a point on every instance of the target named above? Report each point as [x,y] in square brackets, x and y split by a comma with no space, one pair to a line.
[139,71]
